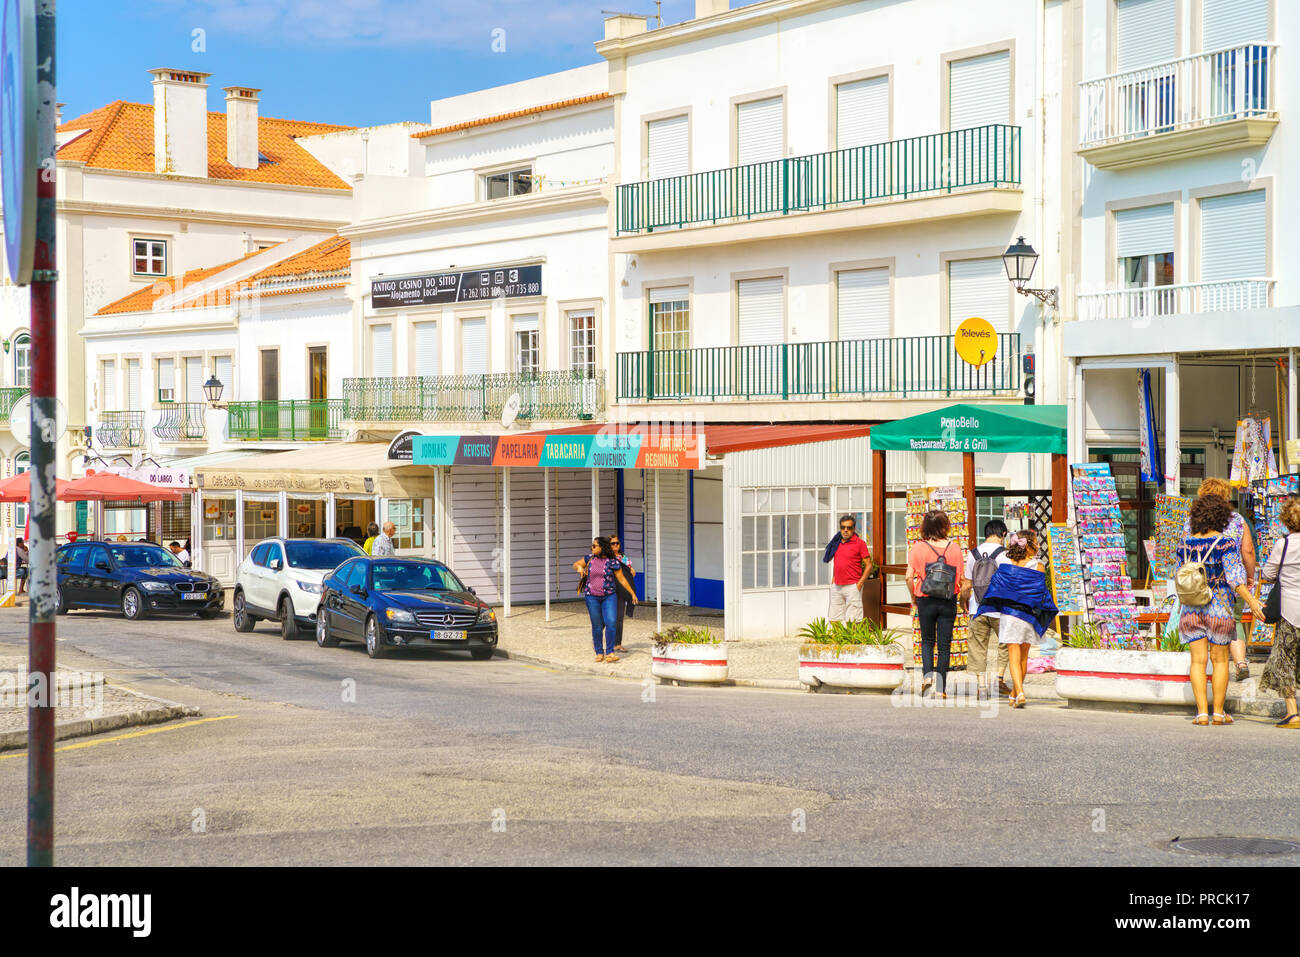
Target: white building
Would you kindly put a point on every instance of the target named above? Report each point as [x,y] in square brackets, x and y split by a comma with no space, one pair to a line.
[1184,149]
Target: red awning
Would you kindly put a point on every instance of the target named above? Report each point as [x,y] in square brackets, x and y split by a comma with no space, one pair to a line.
[721,439]
[109,487]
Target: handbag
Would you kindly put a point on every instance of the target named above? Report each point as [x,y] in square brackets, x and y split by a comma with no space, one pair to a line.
[1192,582]
[1273,604]
[940,579]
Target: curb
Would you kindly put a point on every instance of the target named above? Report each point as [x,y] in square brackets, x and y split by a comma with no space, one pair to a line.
[158,711]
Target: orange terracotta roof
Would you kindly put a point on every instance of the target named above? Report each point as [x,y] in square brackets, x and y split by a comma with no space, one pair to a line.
[330,259]
[120,136]
[514,114]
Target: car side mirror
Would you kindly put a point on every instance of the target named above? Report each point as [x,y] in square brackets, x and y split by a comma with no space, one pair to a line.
[188,564]
[471,589]
[358,590]
[274,564]
[102,566]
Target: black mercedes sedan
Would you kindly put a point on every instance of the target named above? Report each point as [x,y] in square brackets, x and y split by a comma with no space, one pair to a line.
[137,577]
[403,603]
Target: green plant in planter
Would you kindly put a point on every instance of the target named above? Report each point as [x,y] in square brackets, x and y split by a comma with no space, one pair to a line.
[846,633]
[1084,635]
[1171,640]
[686,635]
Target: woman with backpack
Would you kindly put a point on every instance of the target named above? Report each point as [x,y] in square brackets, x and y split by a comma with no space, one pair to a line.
[1282,672]
[935,579]
[1210,571]
[1019,594]
[1239,529]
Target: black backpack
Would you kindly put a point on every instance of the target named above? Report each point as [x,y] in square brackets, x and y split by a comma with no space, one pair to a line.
[940,579]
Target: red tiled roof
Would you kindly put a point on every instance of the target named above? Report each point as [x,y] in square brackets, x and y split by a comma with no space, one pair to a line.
[513,114]
[120,136]
[142,300]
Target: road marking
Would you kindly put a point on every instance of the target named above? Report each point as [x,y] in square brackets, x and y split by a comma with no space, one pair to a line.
[131,734]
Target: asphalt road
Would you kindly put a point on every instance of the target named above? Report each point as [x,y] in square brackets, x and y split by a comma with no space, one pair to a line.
[312,756]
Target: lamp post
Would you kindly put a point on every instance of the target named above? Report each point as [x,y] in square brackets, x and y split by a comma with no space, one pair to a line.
[1020,260]
[212,390]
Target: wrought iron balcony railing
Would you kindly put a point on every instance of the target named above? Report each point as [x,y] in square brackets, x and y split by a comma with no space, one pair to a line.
[121,430]
[286,420]
[8,398]
[181,422]
[921,365]
[981,156]
[474,398]
[1149,302]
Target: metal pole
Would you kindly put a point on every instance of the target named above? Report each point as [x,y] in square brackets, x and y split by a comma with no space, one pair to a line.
[505,537]
[40,568]
[595,502]
[659,566]
[546,536]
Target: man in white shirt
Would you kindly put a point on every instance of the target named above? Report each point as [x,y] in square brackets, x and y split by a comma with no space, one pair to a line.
[984,629]
[383,547]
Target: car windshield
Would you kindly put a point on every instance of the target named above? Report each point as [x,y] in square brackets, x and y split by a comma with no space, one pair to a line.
[320,554]
[409,576]
[144,556]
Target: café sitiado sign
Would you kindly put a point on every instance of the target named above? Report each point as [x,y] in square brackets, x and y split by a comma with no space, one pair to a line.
[976,341]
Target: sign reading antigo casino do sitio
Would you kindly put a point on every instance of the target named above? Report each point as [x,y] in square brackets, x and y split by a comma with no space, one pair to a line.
[444,288]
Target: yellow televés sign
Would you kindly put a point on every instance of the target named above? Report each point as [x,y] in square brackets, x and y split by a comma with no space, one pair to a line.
[976,341]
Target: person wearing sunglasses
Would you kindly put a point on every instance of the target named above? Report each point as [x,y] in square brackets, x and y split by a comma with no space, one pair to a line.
[600,583]
[852,566]
[626,605]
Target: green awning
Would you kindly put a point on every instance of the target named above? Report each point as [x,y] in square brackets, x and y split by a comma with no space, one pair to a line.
[976,428]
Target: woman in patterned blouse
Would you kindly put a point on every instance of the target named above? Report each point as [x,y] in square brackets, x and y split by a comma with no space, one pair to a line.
[1208,629]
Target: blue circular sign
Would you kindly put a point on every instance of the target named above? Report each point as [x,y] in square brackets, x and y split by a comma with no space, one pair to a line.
[18,159]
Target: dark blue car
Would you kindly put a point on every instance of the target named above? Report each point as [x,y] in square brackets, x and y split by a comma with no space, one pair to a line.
[403,603]
[136,577]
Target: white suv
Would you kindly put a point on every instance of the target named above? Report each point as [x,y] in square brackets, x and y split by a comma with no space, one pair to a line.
[280,580]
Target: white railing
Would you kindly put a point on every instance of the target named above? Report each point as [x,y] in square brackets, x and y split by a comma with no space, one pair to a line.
[1152,301]
[1180,94]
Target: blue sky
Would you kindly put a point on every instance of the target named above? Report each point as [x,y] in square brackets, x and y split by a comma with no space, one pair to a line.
[357,62]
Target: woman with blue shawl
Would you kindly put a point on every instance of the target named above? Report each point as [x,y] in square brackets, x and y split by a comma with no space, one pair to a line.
[1018,592]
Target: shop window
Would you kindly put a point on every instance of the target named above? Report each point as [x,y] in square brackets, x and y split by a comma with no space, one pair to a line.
[785,530]
[261,520]
[408,515]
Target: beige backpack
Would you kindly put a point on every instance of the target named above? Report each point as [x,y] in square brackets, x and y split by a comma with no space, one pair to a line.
[1191,583]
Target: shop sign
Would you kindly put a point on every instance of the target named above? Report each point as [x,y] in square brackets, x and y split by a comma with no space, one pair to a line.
[502,282]
[292,482]
[162,477]
[612,450]
[976,341]
[399,450]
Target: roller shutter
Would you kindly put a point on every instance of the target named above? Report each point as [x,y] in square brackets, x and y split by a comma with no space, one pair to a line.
[862,112]
[760,309]
[1144,231]
[1146,32]
[979,287]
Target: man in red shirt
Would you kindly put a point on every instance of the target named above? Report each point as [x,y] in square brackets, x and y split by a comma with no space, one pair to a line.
[851,563]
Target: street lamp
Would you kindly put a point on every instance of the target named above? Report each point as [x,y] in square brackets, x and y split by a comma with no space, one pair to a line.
[1020,260]
[212,389]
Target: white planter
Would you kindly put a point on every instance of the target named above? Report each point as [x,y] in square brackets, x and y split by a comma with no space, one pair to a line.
[702,663]
[1130,677]
[852,666]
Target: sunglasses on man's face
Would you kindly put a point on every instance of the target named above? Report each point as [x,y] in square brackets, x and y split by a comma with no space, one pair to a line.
[846,528]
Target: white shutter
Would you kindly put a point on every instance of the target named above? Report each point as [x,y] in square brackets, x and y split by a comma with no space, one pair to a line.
[1144,231]
[108,401]
[473,347]
[133,385]
[979,287]
[1146,32]
[862,112]
[426,348]
[759,131]
[760,308]
[476,529]
[979,91]
[673,531]
[166,380]
[1233,238]
[224,371]
[526,323]
[1230,23]
[862,303]
[193,379]
[667,147]
[381,351]
[669,294]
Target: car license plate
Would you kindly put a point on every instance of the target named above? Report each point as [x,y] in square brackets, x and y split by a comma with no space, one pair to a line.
[194,596]
[448,636]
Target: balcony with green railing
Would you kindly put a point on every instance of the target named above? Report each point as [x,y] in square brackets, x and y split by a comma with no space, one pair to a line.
[9,397]
[981,157]
[286,420]
[475,398]
[121,430]
[181,422]
[918,366]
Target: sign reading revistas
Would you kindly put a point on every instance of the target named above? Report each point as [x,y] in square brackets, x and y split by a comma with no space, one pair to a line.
[507,282]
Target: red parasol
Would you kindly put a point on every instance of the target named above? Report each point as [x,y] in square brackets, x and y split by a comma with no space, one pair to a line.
[110,487]
[17,488]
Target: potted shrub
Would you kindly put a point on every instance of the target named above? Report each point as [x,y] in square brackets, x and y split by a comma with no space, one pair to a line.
[1091,668]
[683,653]
[854,654]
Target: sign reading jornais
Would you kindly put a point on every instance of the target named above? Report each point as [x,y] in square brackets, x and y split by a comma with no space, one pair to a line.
[502,282]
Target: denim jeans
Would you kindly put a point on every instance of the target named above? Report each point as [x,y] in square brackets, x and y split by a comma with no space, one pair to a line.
[604,617]
[937,616]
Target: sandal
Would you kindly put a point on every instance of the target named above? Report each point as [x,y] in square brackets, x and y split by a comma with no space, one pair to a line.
[1019,701]
[1290,721]
[926,685]
[1201,719]
[609,659]
[1222,718]
[600,658]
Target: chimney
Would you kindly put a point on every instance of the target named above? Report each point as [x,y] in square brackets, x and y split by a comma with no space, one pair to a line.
[623,25]
[241,126]
[707,8]
[180,122]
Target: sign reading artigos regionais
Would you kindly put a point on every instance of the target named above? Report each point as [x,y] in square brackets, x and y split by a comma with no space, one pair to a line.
[503,282]
[976,341]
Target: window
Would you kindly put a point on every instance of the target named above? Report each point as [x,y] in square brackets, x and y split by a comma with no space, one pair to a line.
[1144,246]
[193,379]
[223,369]
[408,515]
[528,358]
[979,91]
[357,575]
[381,351]
[582,342]
[473,346]
[760,311]
[149,257]
[166,380]
[133,393]
[862,112]
[219,519]
[426,348]
[668,147]
[979,287]
[515,182]
[670,340]
[108,384]
[260,554]
[862,304]
[23,360]
[22,463]
[785,530]
[760,131]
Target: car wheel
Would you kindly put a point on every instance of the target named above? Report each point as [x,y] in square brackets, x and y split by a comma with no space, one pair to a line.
[133,604]
[481,654]
[60,603]
[288,624]
[243,620]
[374,647]
[323,637]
